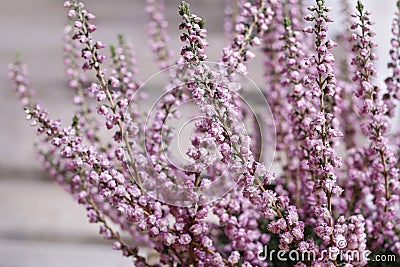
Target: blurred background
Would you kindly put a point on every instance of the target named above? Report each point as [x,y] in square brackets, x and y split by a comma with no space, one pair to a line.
[40,225]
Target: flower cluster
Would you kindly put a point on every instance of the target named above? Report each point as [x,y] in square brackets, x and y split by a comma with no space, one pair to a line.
[225,127]
[195,33]
[392,82]
[225,205]
[323,160]
[157,29]
[376,109]
[251,23]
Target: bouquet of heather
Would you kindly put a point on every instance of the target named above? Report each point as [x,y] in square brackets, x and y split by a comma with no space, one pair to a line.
[332,198]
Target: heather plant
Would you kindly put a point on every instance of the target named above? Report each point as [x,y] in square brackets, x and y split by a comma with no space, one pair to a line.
[334,198]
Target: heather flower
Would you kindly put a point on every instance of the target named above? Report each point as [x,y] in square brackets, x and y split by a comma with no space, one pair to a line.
[322,134]
[392,82]
[253,187]
[297,104]
[336,183]
[375,111]
[157,29]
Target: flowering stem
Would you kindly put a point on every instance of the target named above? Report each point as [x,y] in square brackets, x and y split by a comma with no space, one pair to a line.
[321,84]
[372,94]
[83,103]
[99,217]
[323,160]
[116,235]
[103,83]
[249,33]
[158,33]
